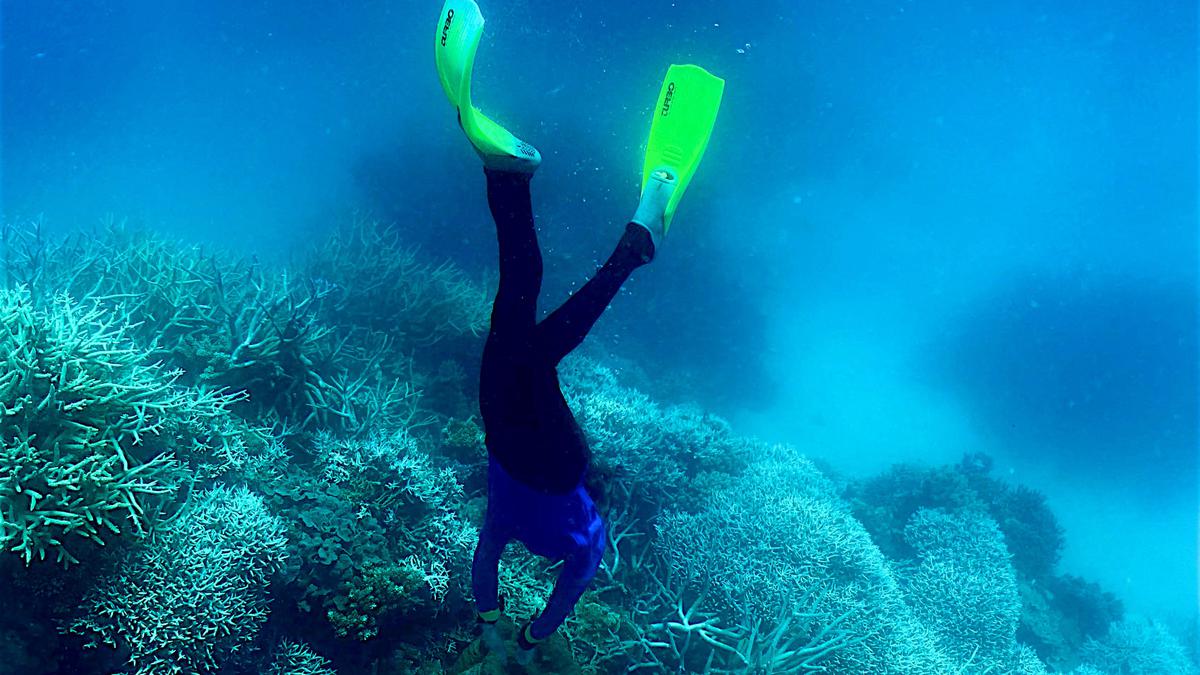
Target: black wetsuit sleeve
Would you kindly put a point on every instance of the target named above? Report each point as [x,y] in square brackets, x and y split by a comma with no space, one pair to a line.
[514,311]
[568,325]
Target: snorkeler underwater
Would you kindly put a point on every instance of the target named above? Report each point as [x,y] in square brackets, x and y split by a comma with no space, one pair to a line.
[696,337]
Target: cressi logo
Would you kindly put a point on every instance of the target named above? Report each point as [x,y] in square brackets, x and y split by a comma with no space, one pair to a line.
[666,107]
[446,26]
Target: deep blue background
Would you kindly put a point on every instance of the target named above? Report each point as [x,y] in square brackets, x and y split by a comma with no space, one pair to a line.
[921,228]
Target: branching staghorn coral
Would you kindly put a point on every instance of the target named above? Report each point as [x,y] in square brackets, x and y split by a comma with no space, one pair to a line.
[296,658]
[378,535]
[964,587]
[227,322]
[792,580]
[419,503]
[1138,646]
[230,322]
[382,286]
[174,294]
[1024,661]
[353,365]
[195,595]
[89,428]
[23,255]
[650,452]
[691,636]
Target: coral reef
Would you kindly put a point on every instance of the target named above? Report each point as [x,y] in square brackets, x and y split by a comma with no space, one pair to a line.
[90,427]
[884,503]
[1138,646]
[295,658]
[284,467]
[776,575]
[229,322]
[1057,613]
[194,595]
[964,588]
[378,284]
[376,532]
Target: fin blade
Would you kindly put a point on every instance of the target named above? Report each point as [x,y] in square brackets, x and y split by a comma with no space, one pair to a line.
[682,125]
[459,29]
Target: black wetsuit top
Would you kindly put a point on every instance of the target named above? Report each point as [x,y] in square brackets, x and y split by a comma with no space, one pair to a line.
[530,429]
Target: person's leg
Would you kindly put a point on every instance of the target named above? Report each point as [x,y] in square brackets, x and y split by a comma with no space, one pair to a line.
[514,311]
[566,327]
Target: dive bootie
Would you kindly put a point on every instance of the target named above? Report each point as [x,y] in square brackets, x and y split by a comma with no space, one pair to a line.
[652,208]
[458,32]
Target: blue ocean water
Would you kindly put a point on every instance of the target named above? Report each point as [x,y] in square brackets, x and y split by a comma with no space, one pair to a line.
[921,230]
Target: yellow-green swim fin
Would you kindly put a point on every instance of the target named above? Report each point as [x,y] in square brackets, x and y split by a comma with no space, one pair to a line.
[683,122]
[455,43]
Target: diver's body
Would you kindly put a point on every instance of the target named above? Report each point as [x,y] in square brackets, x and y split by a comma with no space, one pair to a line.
[537,453]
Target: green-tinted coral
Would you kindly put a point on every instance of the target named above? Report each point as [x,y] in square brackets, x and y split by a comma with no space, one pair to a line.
[462,439]
[599,634]
[376,532]
[380,589]
[328,540]
[395,481]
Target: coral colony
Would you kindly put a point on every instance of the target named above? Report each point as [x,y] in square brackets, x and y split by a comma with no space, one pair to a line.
[213,465]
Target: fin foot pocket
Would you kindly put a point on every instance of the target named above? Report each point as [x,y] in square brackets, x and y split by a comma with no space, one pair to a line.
[651,212]
[459,29]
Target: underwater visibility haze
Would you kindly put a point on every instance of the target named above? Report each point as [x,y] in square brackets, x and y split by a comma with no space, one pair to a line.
[909,386]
